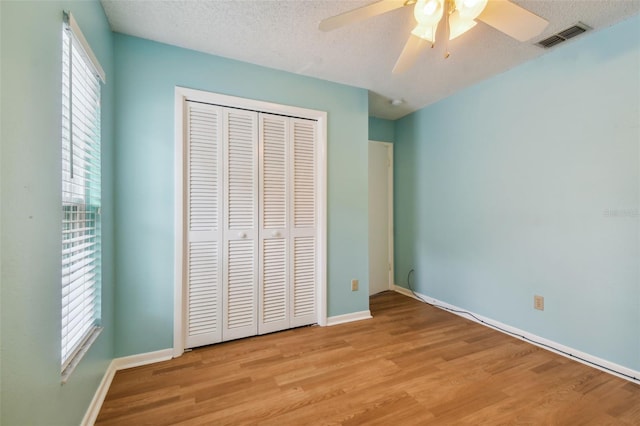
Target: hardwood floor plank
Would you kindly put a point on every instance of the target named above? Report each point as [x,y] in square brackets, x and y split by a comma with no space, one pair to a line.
[410,364]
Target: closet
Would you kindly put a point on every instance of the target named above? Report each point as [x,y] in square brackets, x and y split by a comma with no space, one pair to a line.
[250,203]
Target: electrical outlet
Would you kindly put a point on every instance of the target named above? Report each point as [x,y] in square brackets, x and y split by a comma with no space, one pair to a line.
[538,302]
[354,285]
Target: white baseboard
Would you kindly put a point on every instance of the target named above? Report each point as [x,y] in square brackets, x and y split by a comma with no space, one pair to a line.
[566,351]
[354,316]
[120,364]
[98,398]
[406,292]
[143,359]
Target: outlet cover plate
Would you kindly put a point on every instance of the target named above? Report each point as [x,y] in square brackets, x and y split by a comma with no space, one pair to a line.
[354,285]
[538,302]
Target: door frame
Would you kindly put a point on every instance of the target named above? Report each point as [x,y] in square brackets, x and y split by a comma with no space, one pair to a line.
[390,229]
[182,95]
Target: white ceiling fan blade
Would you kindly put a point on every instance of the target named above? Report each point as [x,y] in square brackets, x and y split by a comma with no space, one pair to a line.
[512,20]
[360,14]
[412,49]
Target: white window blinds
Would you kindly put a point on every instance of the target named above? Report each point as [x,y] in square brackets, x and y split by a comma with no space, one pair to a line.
[81,233]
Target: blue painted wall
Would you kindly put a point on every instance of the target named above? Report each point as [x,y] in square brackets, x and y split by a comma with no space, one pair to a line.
[528,183]
[146,75]
[381,130]
[31,104]
[536,192]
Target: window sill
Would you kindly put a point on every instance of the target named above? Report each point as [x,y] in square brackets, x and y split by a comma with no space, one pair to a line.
[82,350]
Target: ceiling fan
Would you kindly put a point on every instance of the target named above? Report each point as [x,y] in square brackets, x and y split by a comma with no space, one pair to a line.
[445,20]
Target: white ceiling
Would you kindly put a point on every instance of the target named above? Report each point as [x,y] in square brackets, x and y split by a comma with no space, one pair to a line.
[283,34]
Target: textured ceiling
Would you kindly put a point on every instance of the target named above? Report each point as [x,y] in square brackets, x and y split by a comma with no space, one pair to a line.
[283,34]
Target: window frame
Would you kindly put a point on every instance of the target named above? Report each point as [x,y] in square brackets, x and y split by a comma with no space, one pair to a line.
[81,231]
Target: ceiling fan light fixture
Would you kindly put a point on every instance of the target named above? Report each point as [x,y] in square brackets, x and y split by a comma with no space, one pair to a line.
[428,12]
[470,9]
[425,32]
[459,26]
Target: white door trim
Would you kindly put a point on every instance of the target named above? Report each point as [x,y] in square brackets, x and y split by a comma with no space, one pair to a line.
[389,146]
[181,96]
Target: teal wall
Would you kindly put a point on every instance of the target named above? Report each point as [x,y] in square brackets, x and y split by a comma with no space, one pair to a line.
[31,81]
[146,76]
[528,183]
[536,192]
[381,130]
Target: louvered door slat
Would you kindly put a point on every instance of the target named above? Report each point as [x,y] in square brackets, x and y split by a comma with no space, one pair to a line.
[274,279]
[304,273]
[303,239]
[203,297]
[203,263]
[304,173]
[240,303]
[273,178]
[241,224]
[274,218]
[241,170]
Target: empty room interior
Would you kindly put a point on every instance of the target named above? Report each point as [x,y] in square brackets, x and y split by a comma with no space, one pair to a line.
[320,212]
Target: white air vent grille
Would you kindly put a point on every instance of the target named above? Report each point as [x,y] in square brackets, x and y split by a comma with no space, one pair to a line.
[564,35]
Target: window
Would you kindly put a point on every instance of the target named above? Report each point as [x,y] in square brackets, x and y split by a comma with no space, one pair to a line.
[81,175]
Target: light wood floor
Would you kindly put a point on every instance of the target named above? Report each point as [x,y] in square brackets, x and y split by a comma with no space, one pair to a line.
[410,364]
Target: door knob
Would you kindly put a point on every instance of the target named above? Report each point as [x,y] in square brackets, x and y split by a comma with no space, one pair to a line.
[275,234]
[242,234]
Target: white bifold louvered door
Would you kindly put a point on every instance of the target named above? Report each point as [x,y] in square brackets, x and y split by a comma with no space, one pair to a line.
[274,214]
[204,224]
[252,225]
[241,224]
[302,229]
[288,223]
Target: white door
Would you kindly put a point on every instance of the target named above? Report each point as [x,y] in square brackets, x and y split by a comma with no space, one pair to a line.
[304,218]
[204,224]
[380,216]
[240,236]
[251,217]
[287,292]
[274,279]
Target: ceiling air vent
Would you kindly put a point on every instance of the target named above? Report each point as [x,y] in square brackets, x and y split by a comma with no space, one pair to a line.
[563,35]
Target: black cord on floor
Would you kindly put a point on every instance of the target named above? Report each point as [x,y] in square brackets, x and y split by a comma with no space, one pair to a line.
[520,336]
